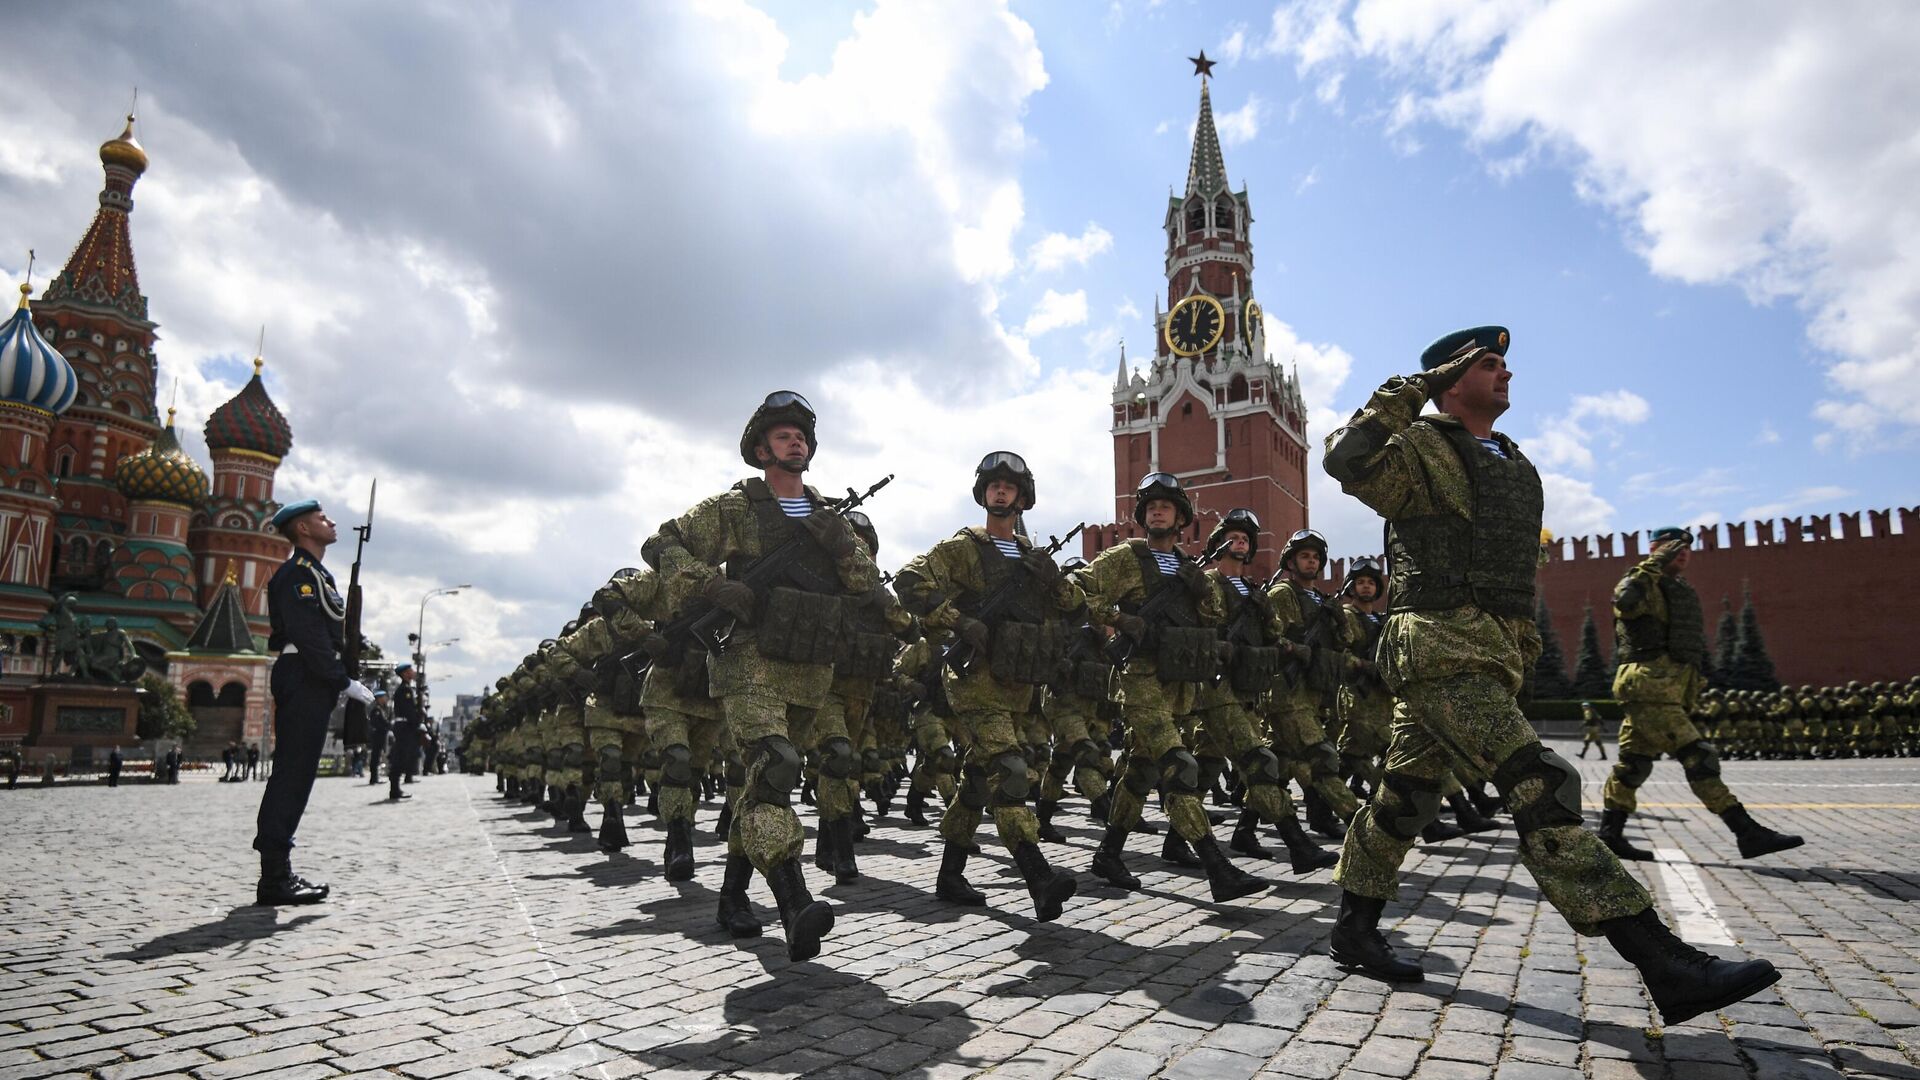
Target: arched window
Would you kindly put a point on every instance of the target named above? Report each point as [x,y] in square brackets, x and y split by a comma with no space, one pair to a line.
[103,555]
[1237,389]
[199,695]
[77,553]
[1223,215]
[232,695]
[63,462]
[30,485]
[1196,216]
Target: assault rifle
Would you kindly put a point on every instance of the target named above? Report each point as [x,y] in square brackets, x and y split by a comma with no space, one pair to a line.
[961,657]
[353,730]
[1120,648]
[1319,641]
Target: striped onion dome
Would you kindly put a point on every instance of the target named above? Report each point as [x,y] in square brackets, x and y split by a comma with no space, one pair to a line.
[162,472]
[32,372]
[250,421]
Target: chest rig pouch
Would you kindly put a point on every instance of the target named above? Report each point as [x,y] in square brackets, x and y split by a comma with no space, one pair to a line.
[1255,664]
[889,703]
[1027,647]
[1183,650]
[1442,560]
[862,654]
[799,620]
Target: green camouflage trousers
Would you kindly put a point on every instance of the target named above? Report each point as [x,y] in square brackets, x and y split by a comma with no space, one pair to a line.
[1306,754]
[617,741]
[681,744]
[934,759]
[565,742]
[1234,732]
[1152,734]
[767,832]
[836,789]
[1650,730]
[1076,752]
[1470,723]
[993,734]
[1367,731]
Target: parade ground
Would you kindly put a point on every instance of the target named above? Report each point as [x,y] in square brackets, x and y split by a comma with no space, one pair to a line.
[470,937]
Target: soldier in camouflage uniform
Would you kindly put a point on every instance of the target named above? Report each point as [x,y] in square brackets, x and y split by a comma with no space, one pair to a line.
[616,727]
[1463,508]
[1229,709]
[778,663]
[936,765]
[1011,650]
[582,648]
[1078,705]
[1592,732]
[1364,701]
[1310,623]
[1661,643]
[1174,651]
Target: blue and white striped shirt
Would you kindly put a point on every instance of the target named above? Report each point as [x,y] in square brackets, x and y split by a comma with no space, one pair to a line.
[1169,561]
[796,508]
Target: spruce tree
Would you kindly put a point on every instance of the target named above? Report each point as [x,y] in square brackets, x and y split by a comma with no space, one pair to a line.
[1725,644]
[1592,675]
[1752,667]
[1550,671]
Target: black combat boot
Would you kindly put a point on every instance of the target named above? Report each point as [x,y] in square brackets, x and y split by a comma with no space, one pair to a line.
[653,799]
[1044,810]
[736,915]
[280,886]
[1756,839]
[917,806]
[822,848]
[724,823]
[1682,980]
[1305,855]
[1438,832]
[577,811]
[1246,837]
[1487,802]
[882,795]
[394,794]
[857,821]
[1321,818]
[1358,942]
[951,885]
[1100,807]
[1225,880]
[1613,824]
[499,782]
[1470,819]
[530,793]
[806,792]
[679,853]
[1145,827]
[513,787]
[1050,888]
[1108,864]
[845,871]
[805,919]
[1174,849]
[613,828]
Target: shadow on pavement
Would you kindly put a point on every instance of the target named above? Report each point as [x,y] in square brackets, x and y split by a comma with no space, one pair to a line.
[243,924]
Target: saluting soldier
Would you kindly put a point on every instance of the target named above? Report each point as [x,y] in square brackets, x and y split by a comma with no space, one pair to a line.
[1463,507]
[307,618]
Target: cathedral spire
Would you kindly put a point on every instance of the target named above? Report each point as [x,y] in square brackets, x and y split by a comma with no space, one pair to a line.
[1206,170]
[100,271]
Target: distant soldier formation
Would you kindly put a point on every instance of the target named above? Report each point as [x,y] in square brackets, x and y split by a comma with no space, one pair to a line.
[760,658]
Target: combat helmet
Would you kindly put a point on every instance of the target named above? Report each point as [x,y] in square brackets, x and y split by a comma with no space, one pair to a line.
[1004,465]
[862,526]
[1162,485]
[1240,520]
[1365,566]
[780,407]
[1304,539]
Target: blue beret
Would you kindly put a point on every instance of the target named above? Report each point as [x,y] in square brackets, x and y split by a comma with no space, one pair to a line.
[293,510]
[379,693]
[404,665]
[1487,337]
[1671,532]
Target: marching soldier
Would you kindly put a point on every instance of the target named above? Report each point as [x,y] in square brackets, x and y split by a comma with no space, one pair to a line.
[1309,623]
[1364,701]
[936,764]
[407,718]
[778,663]
[307,617]
[1463,507]
[1013,648]
[1078,708]
[1662,642]
[1175,647]
[1592,733]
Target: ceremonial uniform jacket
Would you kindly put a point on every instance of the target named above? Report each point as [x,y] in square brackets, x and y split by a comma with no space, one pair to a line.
[308,618]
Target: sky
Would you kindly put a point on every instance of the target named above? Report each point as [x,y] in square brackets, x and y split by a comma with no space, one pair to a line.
[532,265]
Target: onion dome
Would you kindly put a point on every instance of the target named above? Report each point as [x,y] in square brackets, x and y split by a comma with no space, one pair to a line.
[33,374]
[250,421]
[125,151]
[162,472]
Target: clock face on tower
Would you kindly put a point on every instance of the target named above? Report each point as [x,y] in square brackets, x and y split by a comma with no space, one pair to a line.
[1250,319]
[1194,325]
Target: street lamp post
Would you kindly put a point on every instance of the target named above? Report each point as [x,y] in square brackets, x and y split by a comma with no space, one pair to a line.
[420,636]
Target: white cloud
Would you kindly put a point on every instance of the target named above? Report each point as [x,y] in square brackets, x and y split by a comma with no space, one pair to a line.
[1563,440]
[1806,498]
[1241,125]
[1767,146]
[1573,508]
[1056,250]
[1056,310]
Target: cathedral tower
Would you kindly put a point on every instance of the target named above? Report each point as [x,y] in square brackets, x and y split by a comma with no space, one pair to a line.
[1213,408]
[247,437]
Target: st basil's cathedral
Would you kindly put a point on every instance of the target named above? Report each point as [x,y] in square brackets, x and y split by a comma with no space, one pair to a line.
[99,500]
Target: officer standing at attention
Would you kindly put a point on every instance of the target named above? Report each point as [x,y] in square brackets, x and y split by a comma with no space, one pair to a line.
[407,718]
[307,618]
[377,728]
[1463,509]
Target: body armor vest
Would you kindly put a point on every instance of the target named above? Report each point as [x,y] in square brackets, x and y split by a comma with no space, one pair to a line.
[1183,650]
[866,648]
[1682,636]
[1256,660]
[1489,559]
[799,618]
[811,569]
[1313,608]
[1026,604]
[1181,610]
[1371,624]
[1027,647]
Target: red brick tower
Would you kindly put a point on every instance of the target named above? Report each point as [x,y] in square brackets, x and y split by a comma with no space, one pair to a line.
[94,313]
[232,536]
[1214,409]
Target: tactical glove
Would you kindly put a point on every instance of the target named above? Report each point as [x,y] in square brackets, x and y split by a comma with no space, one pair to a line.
[655,644]
[1194,578]
[974,632]
[1041,566]
[830,531]
[1441,379]
[733,597]
[1131,625]
[1670,550]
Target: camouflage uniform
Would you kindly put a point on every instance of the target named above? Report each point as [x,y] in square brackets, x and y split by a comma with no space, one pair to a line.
[1364,704]
[1229,713]
[1294,708]
[1592,730]
[1456,659]
[1074,708]
[936,765]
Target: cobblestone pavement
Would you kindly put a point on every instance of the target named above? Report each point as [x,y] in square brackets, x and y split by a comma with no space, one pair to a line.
[468,937]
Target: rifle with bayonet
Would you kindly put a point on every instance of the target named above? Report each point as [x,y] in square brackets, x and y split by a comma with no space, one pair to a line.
[354,721]
[960,657]
[1121,647]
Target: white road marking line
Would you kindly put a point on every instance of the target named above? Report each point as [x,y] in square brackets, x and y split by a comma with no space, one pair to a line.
[1699,920]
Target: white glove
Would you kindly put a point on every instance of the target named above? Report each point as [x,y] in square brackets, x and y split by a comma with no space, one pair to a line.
[357,691]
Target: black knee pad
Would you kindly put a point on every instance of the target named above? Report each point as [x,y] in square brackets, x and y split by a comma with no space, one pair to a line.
[944,761]
[1089,753]
[1701,760]
[976,787]
[736,770]
[1403,806]
[1180,772]
[1632,770]
[1323,759]
[1139,777]
[837,758]
[1259,765]
[555,758]
[650,760]
[574,755]
[872,760]
[1011,785]
[779,770]
[608,763]
[676,767]
[1559,805]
